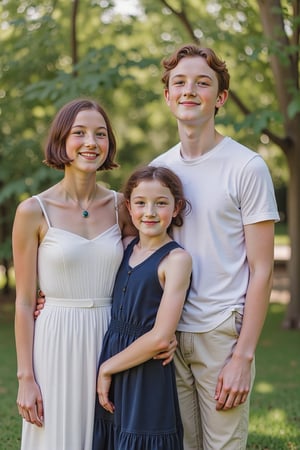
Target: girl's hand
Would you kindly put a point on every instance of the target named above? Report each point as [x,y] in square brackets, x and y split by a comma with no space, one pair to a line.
[168,354]
[30,403]
[103,386]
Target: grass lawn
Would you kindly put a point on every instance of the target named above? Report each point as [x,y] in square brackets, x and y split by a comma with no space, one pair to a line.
[275,407]
[10,424]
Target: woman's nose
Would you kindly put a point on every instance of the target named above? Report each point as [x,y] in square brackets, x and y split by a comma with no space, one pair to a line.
[90,141]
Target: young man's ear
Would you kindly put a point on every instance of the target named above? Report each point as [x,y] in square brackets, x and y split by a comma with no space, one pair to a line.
[221,99]
[166,95]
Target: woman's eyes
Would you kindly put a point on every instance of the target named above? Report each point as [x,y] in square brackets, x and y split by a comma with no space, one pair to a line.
[101,134]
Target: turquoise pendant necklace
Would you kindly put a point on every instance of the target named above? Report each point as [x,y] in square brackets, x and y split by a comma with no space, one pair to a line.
[84,211]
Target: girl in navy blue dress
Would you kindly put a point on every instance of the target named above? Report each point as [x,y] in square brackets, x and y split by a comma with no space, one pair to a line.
[137,405]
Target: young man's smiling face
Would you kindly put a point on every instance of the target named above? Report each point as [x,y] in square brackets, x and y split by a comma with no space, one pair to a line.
[193,91]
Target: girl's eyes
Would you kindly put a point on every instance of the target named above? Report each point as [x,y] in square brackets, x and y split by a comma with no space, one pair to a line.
[159,203]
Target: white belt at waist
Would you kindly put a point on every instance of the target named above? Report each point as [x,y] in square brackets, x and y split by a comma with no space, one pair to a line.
[78,302]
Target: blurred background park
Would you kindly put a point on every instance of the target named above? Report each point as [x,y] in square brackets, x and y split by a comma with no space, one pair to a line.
[53,51]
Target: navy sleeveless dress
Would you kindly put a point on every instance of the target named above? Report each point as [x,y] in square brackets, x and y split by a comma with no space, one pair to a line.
[146,413]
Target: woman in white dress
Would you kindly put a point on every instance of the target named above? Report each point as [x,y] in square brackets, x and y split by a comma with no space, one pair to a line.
[67,241]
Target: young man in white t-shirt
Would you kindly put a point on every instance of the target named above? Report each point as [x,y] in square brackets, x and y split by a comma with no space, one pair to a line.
[230,235]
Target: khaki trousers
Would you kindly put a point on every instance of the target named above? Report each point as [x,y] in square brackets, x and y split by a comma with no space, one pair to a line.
[198,361]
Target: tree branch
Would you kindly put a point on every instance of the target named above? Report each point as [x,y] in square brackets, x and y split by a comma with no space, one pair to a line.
[283,143]
[75,4]
[182,16]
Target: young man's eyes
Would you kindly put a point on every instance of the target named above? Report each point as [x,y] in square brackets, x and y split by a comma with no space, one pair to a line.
[198,83]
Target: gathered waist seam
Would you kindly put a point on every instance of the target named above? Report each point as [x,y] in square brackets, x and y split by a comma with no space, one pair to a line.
[128,328]
[78,302]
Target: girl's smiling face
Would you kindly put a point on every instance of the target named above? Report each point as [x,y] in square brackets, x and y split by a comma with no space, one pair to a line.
[152,207]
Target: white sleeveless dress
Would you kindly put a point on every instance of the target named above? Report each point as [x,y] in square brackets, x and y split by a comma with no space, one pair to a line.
[77,276]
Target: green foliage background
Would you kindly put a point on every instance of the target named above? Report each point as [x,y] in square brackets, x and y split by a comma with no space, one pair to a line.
[49,57]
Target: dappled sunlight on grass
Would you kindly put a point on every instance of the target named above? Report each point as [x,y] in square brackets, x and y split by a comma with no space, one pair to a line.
[263,388]
[273,429]
[275,422]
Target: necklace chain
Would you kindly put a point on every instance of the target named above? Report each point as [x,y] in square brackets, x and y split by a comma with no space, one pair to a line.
[84,211]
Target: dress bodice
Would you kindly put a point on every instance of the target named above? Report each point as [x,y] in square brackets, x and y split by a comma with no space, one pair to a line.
[71,266]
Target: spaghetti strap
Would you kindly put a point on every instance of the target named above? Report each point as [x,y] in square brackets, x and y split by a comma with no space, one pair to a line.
[43,209]
[116,207]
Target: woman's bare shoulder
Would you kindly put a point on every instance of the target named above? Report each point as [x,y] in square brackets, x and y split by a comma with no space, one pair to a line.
[28,207]
[31,205]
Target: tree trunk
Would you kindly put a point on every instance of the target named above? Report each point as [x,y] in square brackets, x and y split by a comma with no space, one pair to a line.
[292,318]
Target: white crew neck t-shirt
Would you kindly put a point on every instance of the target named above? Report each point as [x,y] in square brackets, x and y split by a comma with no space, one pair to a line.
[228,187]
